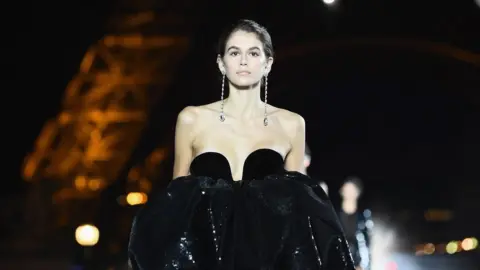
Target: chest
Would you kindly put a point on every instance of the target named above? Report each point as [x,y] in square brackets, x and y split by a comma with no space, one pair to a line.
[236,143]
[241,139]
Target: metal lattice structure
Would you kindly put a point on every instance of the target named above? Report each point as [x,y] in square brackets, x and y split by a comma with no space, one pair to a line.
[106,105]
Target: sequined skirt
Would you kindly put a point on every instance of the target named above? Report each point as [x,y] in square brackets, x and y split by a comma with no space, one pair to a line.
[281,222]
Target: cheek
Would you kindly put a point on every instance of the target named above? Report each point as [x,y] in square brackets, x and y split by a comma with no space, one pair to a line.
[258,68]
[230,64]
[257,64]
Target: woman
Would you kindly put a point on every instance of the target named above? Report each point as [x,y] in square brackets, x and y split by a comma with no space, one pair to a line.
[238,200]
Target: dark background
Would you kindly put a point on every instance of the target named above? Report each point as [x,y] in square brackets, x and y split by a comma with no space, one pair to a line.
[389,89]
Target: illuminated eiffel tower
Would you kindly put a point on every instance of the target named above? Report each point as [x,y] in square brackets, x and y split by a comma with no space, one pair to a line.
[106,105]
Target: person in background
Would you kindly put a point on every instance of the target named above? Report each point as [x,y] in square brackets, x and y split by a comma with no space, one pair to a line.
[357,223]
[307,161]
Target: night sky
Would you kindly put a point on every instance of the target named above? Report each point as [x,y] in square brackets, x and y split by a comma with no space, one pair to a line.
[403,120]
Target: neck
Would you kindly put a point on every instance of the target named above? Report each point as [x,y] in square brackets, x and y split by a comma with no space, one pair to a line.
[349,206]
[244,103]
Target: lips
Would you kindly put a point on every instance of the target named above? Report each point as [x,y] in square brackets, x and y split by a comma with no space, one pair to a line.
[243,73]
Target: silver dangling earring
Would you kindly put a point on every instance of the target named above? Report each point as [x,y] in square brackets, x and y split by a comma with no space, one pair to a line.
[265,119]
[222,102]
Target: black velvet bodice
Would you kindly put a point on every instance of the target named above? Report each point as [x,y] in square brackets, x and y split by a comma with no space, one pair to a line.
[271,219]
[259,164]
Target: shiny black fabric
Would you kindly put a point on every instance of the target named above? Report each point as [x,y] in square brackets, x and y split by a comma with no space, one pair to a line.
[272,219]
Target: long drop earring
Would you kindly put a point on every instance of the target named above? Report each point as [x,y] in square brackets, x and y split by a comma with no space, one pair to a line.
[222,100]
[265,119]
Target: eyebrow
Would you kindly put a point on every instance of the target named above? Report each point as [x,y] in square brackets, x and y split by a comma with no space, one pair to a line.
[235,47]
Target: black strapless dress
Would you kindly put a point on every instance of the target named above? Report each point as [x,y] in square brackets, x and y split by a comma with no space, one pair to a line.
[271,220]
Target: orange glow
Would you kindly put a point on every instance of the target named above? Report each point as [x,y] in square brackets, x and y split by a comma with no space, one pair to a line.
[95,184]
[80,182]
[103,114]
[136,198]
[438,215]
[30,167]
[469,244]
[429,248]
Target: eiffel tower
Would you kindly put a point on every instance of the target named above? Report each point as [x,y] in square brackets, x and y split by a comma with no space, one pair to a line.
[106,105]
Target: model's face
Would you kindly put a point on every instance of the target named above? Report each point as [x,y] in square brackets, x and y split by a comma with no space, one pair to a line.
[350,191]
[244,62]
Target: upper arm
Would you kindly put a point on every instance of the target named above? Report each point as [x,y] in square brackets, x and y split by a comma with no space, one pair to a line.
[184,135]
[295,158]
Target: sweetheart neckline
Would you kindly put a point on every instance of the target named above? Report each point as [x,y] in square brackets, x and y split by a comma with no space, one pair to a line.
[244,162]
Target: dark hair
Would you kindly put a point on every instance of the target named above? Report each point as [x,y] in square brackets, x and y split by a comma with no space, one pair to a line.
[356,182]
[248,26]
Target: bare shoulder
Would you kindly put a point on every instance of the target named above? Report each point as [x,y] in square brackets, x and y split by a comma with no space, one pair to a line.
[291,117]
[292,122]
[188,115]
[198,114]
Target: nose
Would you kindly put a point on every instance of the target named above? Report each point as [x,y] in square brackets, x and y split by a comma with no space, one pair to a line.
[243,60]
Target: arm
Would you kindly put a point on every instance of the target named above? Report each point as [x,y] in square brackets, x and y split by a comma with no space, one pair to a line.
[184,131]
[294,160]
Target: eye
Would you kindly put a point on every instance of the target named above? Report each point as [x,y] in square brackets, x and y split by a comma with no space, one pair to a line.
[254,54]
[233,53]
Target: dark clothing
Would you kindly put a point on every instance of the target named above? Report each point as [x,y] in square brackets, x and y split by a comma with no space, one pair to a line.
[357,228]
[271,219]
[349,225]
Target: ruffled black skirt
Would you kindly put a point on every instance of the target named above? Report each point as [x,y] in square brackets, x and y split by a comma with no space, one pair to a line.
[281,222]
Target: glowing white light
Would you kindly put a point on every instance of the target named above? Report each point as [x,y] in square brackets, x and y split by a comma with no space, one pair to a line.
[329,2]
[369,224]
[87,235]
[383,242]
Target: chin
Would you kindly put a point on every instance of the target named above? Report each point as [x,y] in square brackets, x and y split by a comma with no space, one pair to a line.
[244,83]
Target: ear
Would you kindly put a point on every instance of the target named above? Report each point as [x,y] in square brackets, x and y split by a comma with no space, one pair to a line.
[268,65]
[220,64]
